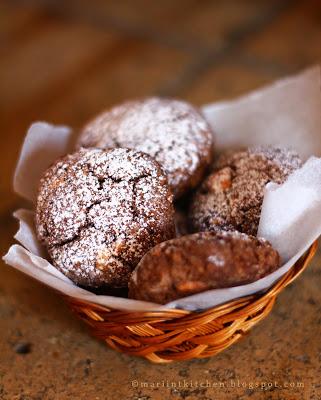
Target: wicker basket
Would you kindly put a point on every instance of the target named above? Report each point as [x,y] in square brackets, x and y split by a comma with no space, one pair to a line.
[168,335]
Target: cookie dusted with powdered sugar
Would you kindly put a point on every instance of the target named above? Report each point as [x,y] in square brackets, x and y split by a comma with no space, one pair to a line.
[231,197]
[98,212]
[202,261]
[173,132]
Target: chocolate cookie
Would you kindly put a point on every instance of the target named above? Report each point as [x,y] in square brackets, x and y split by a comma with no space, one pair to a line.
[173,132]
[198,262]
[231,197]
[98,212]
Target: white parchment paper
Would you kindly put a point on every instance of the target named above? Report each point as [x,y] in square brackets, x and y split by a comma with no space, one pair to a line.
[286,113]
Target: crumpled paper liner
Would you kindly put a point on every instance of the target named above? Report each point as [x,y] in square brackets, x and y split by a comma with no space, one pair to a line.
[286,113]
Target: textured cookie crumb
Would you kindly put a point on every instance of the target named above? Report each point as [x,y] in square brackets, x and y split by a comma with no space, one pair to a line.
[231,197]
[98,212]
[171,131]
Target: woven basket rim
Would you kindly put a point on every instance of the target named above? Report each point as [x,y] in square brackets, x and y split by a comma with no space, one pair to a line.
[175,335]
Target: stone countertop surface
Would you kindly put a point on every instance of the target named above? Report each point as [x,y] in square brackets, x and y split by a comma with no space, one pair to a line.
[65,61]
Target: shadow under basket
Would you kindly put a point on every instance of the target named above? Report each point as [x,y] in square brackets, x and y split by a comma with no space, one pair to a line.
[175,335]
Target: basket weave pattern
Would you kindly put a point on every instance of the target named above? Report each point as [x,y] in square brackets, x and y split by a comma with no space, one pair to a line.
[168,335]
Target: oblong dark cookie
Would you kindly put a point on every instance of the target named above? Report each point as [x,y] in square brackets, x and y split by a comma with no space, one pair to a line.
[171,131]
[231,197]
[98,212]
[198,262]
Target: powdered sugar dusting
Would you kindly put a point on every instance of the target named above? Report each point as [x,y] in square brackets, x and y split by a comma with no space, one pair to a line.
[286,159]
[218,261]
[96,211]
[171,131]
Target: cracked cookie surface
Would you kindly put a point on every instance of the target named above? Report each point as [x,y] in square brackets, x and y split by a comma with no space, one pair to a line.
[202,261]
[98,212]
[171,131]
[231,197]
